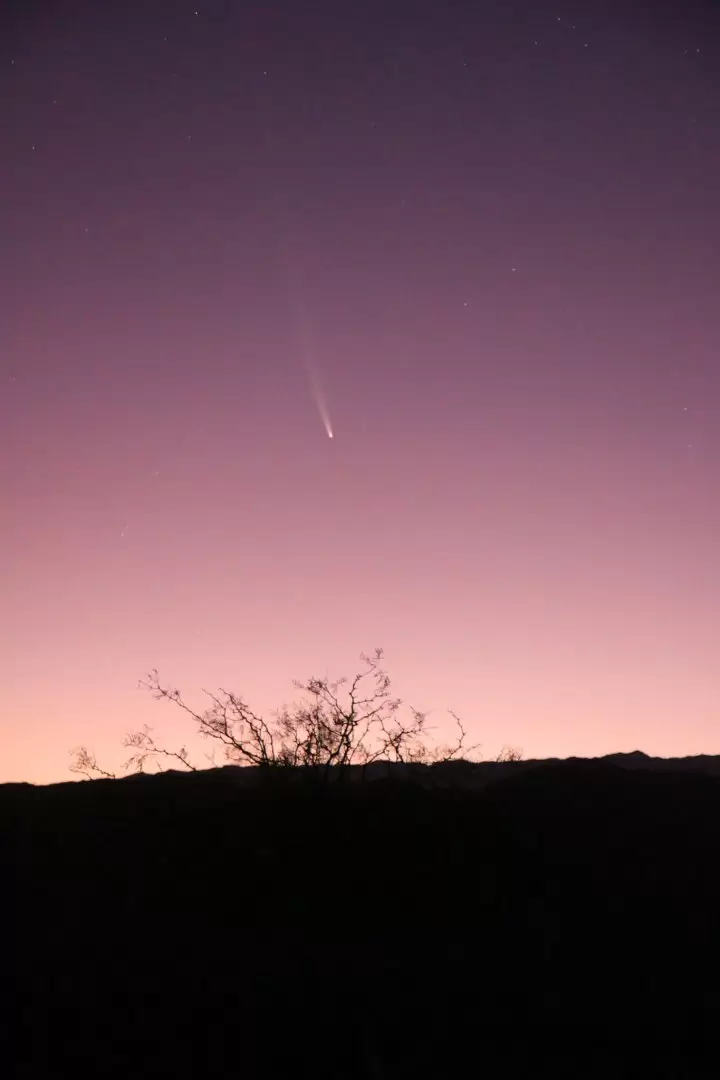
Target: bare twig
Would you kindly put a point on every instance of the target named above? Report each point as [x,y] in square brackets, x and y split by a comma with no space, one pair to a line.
[86,764]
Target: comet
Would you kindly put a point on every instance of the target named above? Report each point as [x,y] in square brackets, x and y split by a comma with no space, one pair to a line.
[324,415]
[319,396]
[322,409]
[308,352]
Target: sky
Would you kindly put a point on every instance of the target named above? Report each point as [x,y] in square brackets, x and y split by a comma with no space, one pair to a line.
[476,242]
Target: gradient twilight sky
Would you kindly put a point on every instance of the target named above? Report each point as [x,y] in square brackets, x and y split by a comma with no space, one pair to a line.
[489,234]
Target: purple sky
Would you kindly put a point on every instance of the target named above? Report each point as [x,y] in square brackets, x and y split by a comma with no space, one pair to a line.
[484,238]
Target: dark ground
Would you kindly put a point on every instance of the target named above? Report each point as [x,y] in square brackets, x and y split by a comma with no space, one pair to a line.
[563,921]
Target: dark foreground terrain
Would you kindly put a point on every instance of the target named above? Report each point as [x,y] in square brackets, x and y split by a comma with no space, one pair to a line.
[563,921]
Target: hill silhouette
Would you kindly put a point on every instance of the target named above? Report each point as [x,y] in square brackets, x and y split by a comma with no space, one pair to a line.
[437,921]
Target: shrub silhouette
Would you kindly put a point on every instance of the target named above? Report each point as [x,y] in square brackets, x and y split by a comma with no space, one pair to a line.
[334,726]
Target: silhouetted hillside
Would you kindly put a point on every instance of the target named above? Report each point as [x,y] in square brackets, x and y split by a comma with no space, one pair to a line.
[563,919]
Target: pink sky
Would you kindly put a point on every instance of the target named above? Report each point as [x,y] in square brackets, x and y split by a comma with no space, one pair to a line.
[508,264]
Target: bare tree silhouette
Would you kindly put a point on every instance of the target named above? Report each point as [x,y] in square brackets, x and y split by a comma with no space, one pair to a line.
[333,726]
